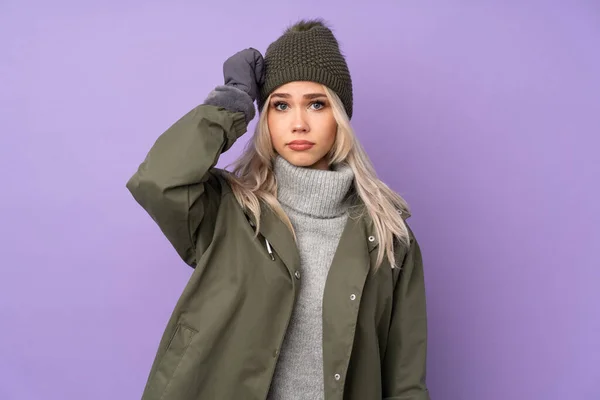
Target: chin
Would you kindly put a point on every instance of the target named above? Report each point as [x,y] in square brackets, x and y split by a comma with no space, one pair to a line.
[305,160]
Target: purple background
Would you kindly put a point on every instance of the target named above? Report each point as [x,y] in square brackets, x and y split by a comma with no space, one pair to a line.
[485,116]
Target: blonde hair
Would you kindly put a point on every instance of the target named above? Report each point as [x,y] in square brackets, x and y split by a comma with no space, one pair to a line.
[252,180]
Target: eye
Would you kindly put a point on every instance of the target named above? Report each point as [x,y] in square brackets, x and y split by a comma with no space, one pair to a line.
[280,106]
[317,105]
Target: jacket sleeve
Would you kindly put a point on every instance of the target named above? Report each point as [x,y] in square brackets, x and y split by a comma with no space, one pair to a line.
[176,183]
[406,352]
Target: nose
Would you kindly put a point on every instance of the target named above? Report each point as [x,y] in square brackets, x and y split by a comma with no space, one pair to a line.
[299,124]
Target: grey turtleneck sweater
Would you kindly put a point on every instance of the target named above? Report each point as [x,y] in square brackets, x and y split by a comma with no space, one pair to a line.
[316,203]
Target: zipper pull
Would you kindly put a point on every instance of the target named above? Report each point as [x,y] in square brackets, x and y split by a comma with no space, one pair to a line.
[269,249]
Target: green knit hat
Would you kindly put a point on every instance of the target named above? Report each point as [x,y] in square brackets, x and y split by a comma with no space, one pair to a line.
[307,51]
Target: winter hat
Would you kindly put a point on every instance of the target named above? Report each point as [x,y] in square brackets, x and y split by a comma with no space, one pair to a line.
[307,51]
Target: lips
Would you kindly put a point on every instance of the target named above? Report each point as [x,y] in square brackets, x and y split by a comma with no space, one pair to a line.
[300,145]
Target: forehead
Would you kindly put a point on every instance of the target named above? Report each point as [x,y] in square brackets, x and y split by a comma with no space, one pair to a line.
[300,88]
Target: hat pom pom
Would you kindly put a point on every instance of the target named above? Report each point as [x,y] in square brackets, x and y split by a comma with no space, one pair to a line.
[306,25]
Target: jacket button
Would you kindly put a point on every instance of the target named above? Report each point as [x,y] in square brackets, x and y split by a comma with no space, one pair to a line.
[297,274]
[352,297]
[371,238]
[337,377]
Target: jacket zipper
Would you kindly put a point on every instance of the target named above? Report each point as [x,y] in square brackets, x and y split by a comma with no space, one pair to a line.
[269,249]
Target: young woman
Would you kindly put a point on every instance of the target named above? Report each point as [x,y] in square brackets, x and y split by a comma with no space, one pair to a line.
[308,283]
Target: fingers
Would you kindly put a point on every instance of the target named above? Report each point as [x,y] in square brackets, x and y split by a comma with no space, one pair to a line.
[245,69]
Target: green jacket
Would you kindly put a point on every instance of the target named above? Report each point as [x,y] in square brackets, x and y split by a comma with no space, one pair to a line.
[223,338]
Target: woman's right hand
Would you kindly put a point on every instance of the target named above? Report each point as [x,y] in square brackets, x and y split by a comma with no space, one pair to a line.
[245,71]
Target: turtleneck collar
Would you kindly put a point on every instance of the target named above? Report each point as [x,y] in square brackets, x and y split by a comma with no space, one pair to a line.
[318,193]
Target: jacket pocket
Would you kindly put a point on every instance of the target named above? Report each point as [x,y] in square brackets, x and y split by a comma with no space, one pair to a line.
[171,360]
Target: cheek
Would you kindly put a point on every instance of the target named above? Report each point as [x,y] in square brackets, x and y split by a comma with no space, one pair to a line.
[331,130]
[275,130]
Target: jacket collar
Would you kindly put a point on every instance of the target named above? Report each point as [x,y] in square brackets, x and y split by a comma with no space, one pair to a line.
[357,230]
[369,229]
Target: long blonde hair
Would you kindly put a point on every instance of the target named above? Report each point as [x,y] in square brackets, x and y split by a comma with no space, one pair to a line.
[252,180]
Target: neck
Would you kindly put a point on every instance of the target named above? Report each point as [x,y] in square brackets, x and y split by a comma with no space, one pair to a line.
[316,192]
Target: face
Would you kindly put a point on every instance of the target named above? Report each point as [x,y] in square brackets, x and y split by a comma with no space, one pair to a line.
[301,124]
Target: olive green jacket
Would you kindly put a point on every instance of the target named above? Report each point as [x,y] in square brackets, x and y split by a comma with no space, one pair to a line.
[223,338]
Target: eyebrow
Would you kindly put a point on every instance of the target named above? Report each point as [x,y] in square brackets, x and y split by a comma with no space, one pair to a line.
[306,96]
